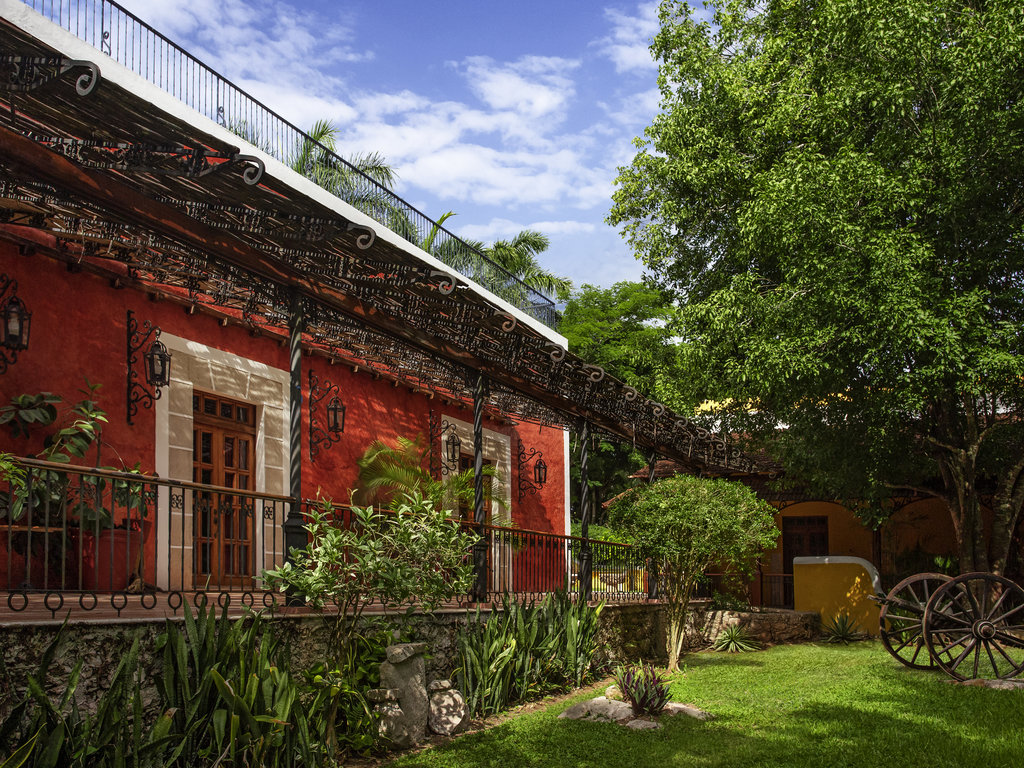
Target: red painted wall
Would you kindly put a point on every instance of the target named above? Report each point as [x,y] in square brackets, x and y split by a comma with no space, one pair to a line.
[78,332]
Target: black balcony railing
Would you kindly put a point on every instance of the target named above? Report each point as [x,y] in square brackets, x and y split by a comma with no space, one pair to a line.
[131,42]
[95,532]
[86,539]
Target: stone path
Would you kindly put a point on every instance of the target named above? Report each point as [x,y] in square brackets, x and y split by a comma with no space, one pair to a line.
[605,710]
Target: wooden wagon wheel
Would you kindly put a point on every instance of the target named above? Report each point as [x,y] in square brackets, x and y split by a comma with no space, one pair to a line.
[974,627]
[899,621]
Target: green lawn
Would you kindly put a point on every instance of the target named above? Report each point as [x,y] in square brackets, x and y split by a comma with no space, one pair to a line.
[808,705]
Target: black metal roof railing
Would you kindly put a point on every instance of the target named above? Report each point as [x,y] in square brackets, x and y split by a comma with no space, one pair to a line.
[131,42]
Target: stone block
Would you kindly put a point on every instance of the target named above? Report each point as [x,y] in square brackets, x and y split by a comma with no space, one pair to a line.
[393,725]
[404,651]
[408,677]
[675,708]
[643,725]
[447,714]
[599,709]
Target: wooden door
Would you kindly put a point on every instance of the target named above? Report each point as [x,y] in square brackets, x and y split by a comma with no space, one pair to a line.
[803,537]
[223,440]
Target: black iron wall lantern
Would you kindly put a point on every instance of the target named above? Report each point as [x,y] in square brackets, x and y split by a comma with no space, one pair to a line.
[156,365]
[453,449]
[14,323]
[319,437]
[540,471]
[336,416]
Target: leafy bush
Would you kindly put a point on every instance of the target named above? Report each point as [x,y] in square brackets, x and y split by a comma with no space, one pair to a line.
[842,629]
[684,524]
[231,695]
[644,688]
[523,651]
[736,639]
[41,732]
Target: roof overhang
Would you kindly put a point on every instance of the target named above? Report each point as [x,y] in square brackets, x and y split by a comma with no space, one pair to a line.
[99,166]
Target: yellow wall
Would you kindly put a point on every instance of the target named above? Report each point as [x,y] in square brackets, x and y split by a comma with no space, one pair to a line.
[831,586]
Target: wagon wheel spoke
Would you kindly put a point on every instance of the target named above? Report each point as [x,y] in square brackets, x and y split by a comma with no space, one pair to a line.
[995,606]
[1005,655]
[1009,613]
[1011,640]
[900,619]
[966,652]
[908,641]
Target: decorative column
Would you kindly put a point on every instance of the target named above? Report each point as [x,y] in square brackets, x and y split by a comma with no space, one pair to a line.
[294,532]
[652,566]
[479,513]
[586,554]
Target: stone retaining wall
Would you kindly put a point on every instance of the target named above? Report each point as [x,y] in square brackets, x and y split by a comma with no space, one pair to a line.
[625,633]
[638,632]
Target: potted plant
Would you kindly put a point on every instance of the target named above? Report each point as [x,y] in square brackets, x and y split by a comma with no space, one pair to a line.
[60,522]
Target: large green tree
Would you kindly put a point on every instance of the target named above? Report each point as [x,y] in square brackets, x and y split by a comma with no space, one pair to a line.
[835,192]
[624,329]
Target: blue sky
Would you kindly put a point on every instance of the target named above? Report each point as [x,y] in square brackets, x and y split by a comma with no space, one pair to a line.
[513,115]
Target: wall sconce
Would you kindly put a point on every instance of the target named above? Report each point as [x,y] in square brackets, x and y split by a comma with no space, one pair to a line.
[156,365]
[540,471]
[14,323]
[453,449]
[319,437]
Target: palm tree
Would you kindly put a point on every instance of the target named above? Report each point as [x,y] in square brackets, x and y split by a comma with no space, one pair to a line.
[519,256]
[317,161]
[388,471]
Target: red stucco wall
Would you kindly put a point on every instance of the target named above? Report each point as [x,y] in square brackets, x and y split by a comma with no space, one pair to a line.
[78,333]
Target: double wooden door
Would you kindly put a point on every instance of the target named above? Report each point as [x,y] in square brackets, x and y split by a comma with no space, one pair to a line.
[224,531]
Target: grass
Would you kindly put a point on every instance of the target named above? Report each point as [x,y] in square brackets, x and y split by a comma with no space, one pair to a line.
[800,706]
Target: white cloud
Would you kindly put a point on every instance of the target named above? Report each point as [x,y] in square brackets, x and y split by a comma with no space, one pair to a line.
[533,86]
[630,39]
[257,40]
[499,228]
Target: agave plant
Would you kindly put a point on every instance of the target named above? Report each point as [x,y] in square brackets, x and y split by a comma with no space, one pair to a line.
[842,629]
[736,639]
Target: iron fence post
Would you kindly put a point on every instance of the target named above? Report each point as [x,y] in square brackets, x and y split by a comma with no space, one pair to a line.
[586,555]
[479,512]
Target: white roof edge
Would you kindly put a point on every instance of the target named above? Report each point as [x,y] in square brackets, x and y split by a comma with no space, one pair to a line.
[60,39]
[876,582]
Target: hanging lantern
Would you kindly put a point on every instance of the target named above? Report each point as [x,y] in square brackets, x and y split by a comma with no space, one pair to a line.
[158,364]
[540,472]
[15,327]
[453,444]
[336,416]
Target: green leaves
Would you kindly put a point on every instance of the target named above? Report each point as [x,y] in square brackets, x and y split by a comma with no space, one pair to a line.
[521,651]
[832,195]
[684,524]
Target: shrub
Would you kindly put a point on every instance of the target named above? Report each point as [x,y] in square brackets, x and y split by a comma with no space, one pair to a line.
[644,688]
[684,524]
[736,639]
[523,651]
